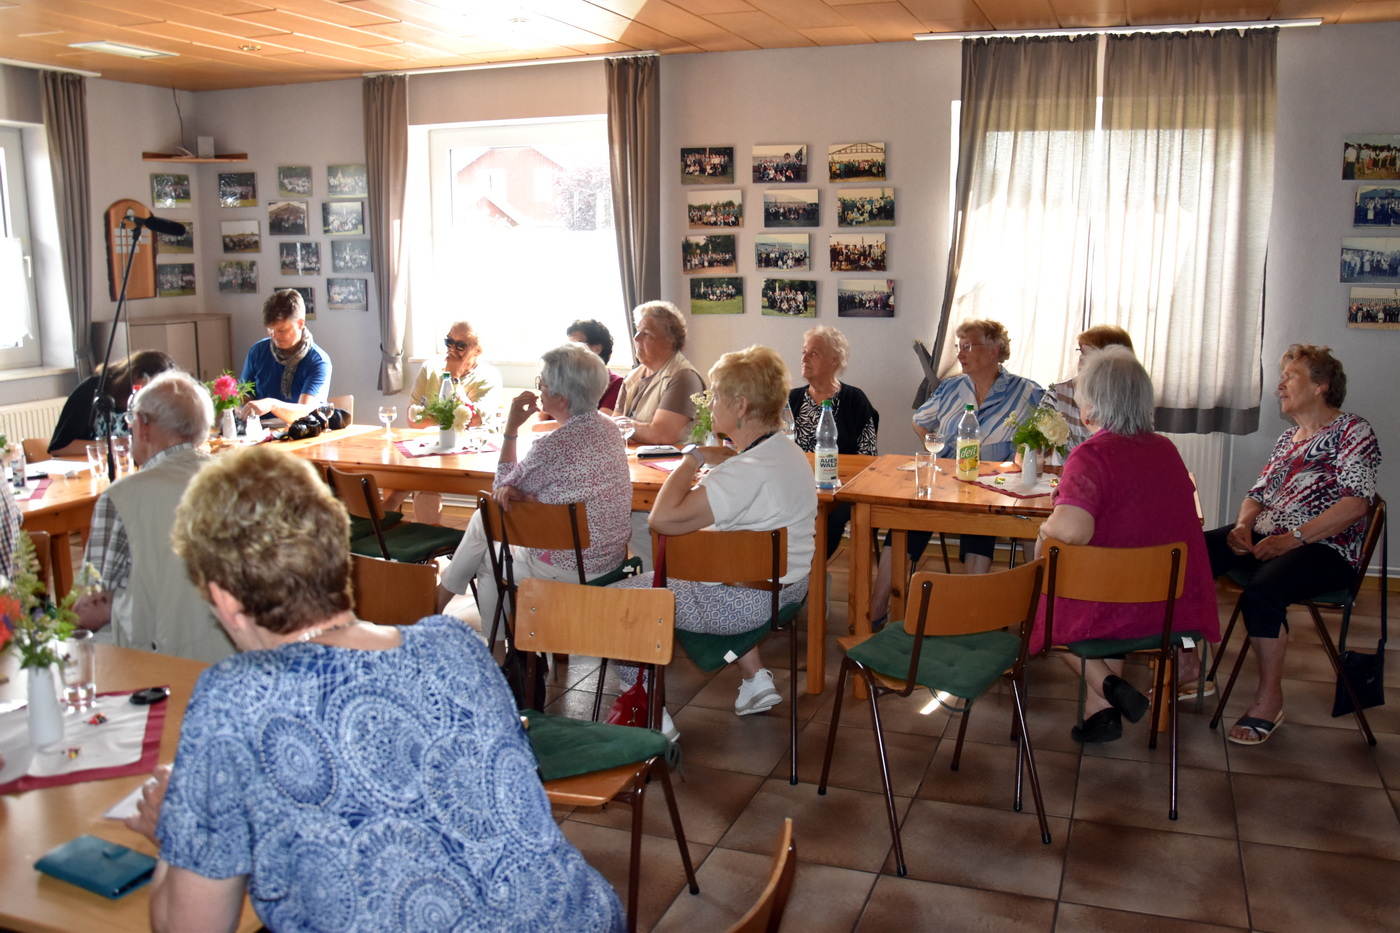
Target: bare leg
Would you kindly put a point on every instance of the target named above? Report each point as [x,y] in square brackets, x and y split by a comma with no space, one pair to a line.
[394,499]
[976,563]
[749,664]
[1095,670]
[427,507]
[444,596]
[1268,698]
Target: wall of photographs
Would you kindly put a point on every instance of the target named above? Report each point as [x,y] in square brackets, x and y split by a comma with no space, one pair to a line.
[1371,262]
[773,227]
[320,243]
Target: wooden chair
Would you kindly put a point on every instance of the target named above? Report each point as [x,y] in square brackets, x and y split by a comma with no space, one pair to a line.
[45,555]
[589,764]
[735,558]
[1125,575]
[978,631]
[1342,601]
[391,592]
[410,542]
[346,402]
[37,448]
[766,915]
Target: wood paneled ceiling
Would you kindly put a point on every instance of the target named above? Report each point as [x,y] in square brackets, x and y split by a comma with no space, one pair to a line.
[250,43]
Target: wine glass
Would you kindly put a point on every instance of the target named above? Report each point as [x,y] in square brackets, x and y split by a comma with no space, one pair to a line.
[931,437]
[387,414]
[788,422]
[626,427]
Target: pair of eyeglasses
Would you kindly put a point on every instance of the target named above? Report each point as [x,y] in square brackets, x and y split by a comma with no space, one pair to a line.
[540,383]
[130,418]
[451,344]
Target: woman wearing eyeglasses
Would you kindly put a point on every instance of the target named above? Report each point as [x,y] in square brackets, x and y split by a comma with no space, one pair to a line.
[462,365]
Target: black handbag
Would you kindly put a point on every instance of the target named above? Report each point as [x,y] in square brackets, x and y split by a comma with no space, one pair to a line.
[1367,674]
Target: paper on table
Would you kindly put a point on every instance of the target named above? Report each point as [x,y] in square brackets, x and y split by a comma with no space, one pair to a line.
[126,806]
[68,468]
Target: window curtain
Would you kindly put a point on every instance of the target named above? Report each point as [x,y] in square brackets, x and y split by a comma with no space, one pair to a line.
[1188,168]
[1156,220]
[386,164]
[634,143]
[1020,242]
[65,119]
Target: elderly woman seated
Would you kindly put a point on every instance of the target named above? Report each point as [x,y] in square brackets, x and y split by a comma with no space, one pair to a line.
[656,395]
[1124,487]
[763,482]
[583,460]
[346,775]
[1062,398]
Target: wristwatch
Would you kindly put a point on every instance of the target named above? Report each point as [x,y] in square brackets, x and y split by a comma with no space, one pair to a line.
[1298,533]
[691,448]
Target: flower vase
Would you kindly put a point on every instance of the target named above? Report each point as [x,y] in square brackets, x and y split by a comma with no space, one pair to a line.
[1030,465]
[45,715]
[228,427]
[447,439]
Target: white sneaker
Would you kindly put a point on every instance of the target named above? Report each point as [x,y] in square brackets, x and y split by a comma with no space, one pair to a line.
[668,728]
[757,694]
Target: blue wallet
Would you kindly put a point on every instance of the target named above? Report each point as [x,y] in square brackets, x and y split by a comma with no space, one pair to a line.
[101,867]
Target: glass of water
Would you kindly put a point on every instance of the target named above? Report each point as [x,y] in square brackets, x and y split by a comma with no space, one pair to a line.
[79,686]
[626,427]
[788,422]
[387,414]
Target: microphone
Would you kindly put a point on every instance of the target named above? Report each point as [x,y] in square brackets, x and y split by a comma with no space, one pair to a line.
[159,225]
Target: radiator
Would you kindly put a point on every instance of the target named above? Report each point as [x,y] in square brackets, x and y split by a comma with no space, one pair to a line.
[1204,455]
[30,419]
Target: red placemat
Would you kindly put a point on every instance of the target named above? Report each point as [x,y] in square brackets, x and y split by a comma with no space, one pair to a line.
[1006,490]
[39,489]
[150,751]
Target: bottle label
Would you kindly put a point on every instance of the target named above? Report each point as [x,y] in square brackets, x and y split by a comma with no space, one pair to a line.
[826,468]
[969,452]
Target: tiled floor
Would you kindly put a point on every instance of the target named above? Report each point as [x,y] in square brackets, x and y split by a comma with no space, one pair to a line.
[1300,834]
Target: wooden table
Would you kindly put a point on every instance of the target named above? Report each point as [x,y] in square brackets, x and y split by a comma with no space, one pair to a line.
[66,507]
[882,496]
[472,474]
[36,821]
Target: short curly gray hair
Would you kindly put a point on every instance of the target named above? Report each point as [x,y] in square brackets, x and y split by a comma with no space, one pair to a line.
[835,341]
[668,316]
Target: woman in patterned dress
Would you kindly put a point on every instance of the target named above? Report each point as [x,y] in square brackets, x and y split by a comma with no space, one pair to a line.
[348,776]
[1300,527]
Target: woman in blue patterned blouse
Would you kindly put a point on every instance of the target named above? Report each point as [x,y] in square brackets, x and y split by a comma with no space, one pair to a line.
[350,776]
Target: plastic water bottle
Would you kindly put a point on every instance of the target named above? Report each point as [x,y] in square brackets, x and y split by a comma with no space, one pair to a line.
[969,444]
[826,454]
[445,387]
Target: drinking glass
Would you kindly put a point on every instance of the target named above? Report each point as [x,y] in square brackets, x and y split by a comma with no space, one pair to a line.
[925,475]
[121,450]
[97,459]
[626,427]
[931,438]
[79,688]
[788,422]
[387,414]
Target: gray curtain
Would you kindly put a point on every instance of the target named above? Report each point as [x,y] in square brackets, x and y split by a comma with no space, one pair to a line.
[634,143]
[65,119]
[386,164]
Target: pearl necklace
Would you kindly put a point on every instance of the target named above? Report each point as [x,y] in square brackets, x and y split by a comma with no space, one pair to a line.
[321,630]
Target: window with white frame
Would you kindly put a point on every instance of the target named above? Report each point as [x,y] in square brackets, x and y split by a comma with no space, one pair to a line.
[19,324]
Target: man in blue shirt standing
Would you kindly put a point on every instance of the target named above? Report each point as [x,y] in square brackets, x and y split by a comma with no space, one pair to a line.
[290,374]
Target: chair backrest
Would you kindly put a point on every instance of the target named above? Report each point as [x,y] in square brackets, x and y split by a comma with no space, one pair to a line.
[392,592]
[735,557]
[537,524]
[360,494]
[345,402]
[962,604]
[766,915]
[622,623]
[36,448]
[1155,574]
[1375,533]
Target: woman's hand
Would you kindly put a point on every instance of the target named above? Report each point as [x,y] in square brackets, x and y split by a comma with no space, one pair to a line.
[1276,546]
[148,807]
[505,495]
[521,407]
[714,455]
[1240,540]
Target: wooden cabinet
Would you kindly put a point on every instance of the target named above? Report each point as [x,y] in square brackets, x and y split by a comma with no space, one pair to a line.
[200,343]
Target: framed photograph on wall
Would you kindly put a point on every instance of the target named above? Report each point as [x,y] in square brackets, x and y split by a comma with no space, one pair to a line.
[865,207]
[707,254]
[238,189]
[350,256]
[1376,206]
[170,190]
[720,295]
[707,165]
[865,297]
[347,295]
[788,252]
[343,218]
[856,162]
[1370,157]
[294,181]
[347,181]
[711,207]
[240,236]
[287,218]
[791,207]
[785,164]
[308,298]
[858,252]
[184,243]
[789,298]
[1371,260]
[175,279]
[238,277]
[299,258]
[1374,308]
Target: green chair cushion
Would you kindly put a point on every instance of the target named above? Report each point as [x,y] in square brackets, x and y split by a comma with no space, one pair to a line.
[1108,647]
[628,568]
[567,747]
[963,665]
[711,652]
[362,527]
[410,542]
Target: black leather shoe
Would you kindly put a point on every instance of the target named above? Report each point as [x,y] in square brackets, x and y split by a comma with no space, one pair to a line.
[1125,697]
[1104,726]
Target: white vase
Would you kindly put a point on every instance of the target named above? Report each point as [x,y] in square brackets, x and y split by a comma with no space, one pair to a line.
[45,715]
[447,439]
[1030,466]
[228,427]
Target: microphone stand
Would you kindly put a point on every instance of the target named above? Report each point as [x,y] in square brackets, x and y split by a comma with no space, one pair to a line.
[102,403]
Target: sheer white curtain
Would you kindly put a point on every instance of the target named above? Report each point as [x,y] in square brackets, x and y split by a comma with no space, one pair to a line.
[1154,217]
